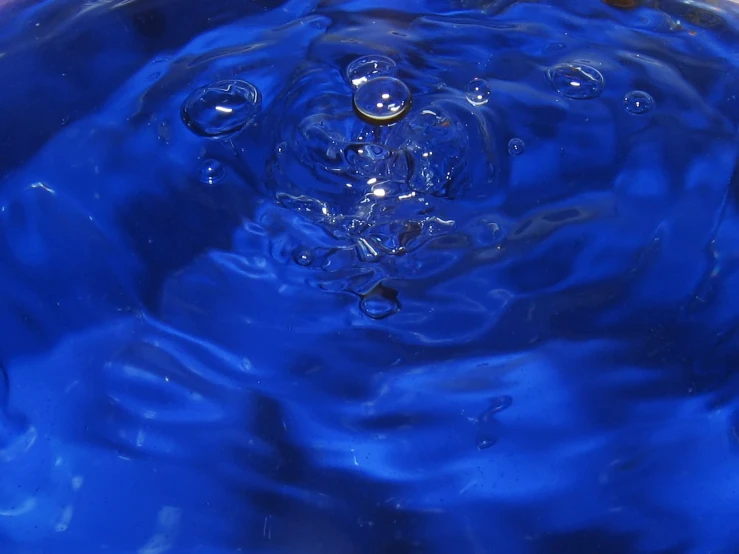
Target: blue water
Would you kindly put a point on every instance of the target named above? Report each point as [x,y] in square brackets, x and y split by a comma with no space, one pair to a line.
[369,276]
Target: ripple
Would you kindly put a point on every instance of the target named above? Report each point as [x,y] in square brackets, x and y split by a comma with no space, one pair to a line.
[327,341]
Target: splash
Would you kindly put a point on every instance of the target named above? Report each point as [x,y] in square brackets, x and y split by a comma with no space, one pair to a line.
[427,277]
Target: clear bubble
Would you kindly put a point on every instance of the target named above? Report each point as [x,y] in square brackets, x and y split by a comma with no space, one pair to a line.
[638,102]
[484,442]
[382,101]
[212,172]
[576,80]
[369,67]
[303,256]
[477,92]
[516,146]
[380,302]
[221,109]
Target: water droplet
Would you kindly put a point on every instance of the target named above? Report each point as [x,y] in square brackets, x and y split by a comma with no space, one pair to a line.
[576,81]
[516,146]
[380,302]
[382,101]
[477,92]
[303,256]
[369,67]
[212,172]
[222,109]
[638,102]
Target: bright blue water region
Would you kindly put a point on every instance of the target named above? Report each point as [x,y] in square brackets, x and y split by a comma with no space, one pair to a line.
[369,276]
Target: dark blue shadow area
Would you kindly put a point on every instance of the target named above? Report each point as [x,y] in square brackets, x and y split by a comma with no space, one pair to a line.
[369,277]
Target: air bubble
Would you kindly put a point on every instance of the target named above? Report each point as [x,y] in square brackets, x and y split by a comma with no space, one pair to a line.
[516,146]
[484,442]
[576,81]
[212,172]
[382,101]
[369,67]
[303,256]
[380,302]
[222,109]
[477,92]
[638,102]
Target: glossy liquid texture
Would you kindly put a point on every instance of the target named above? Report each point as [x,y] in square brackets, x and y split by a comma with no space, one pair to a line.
[244,311]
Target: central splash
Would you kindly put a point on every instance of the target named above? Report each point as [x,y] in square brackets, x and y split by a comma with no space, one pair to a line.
[371,162]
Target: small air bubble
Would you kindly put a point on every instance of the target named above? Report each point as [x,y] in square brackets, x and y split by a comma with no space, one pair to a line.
[382,101]
[638,102]
[212,172]
[485,442]
[516,146]
[477,92]
[303,256]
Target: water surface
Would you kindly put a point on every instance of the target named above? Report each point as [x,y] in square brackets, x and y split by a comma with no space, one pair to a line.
[369,277]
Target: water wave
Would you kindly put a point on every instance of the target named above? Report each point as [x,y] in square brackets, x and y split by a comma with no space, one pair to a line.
[308,329]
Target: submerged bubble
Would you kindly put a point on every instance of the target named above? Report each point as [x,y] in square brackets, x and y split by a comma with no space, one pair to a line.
[303,256]
[477,92]
[382,100]
[516,146]
[369,67]
[380,302]
[212,172]
[221,109]
[638,102]
[576,81]
[484,442]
